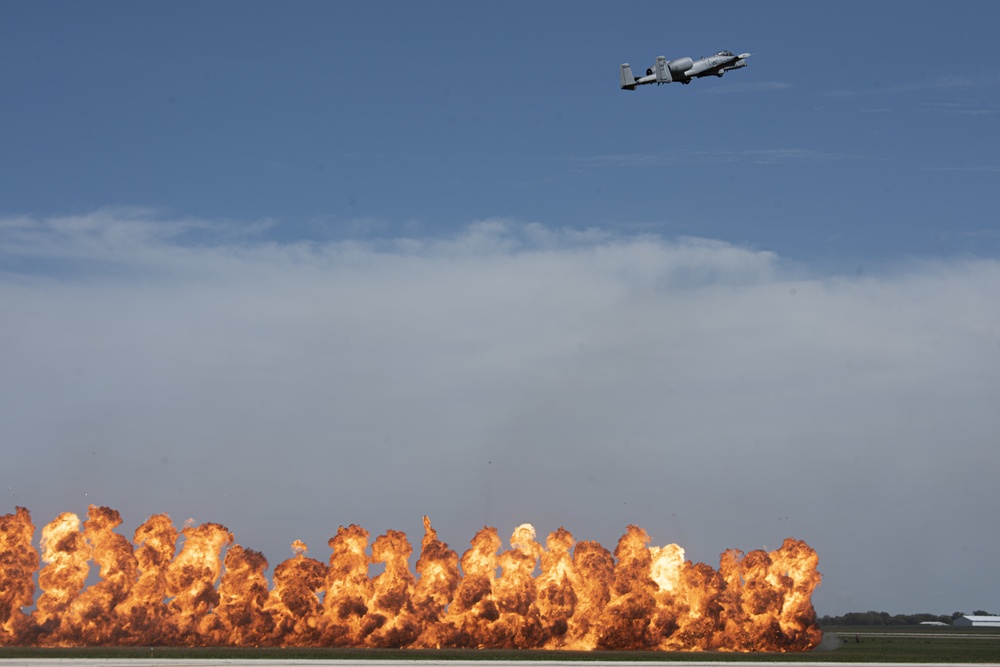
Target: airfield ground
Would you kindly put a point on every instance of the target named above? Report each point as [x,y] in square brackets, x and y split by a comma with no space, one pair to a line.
[900,645]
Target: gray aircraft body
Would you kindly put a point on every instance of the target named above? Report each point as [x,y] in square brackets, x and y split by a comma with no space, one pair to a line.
[683,69]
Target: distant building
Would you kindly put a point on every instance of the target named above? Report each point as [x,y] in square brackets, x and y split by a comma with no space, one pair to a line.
[977,621]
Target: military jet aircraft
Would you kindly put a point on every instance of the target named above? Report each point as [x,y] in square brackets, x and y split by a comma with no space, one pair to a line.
[684,69]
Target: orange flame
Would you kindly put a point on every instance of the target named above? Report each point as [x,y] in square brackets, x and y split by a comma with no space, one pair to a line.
[582,597]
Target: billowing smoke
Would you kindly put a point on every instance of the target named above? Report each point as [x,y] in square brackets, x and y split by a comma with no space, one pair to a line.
[715,394]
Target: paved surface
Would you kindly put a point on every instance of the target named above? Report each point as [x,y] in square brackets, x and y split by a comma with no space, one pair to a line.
[161,662]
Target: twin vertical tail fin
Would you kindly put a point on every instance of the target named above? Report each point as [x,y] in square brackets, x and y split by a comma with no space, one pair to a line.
[628,81]
[659,73]
[662,70]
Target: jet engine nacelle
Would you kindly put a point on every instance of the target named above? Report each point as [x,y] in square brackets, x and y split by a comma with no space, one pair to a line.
[667,70]
[680,65]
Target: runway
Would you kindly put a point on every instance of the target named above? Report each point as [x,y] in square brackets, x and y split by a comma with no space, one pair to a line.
[185,662]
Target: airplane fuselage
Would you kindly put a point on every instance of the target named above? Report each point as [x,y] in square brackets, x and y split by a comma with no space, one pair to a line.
[683,69]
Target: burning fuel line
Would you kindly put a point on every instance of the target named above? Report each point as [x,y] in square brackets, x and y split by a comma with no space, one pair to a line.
[565,595]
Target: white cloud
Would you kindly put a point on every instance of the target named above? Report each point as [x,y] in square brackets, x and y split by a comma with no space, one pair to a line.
[774,155]
[513,372]
[944,83]
[983,168]
[962,108]
[747,87]
[754,156]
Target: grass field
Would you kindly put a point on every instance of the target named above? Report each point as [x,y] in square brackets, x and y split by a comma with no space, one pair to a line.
[919,644]
[913,643]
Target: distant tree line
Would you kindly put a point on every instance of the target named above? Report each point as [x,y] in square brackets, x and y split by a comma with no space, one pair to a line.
[885,618]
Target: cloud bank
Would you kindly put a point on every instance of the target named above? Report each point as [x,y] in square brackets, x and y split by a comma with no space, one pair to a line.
[716,395]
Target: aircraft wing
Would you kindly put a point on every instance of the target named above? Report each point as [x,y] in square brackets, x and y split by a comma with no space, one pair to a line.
[629,82]
[741,61]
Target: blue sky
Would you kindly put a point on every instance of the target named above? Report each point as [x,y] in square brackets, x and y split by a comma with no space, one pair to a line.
[859,129]
[298,241]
